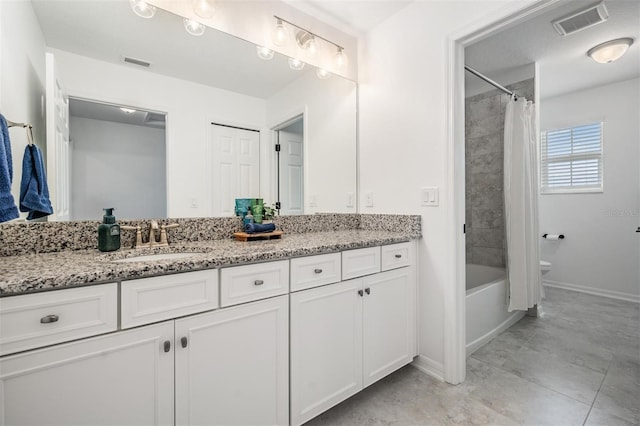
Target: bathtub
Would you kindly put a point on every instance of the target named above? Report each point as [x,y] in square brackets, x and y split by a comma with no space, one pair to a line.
[487,305]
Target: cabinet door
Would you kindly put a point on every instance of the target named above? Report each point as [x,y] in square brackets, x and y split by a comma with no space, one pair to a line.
[118,379]
[326,348]
[232,369]
[389,323]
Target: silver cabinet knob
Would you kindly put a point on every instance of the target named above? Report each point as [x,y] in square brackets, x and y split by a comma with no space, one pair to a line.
[49,319]
[317,271]
[258,282]
[398,256]
[167,345]
[184,342]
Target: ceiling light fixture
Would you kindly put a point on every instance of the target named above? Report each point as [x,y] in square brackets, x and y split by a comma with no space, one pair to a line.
[264,53]
[194,28]
[296,64]
[610,51]
[279,35]
[127,110]
[142,8]
[323,74]
[204,8]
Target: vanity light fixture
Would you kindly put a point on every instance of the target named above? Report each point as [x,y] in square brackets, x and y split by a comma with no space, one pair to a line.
[264,53]
[203,8]
[307,43]
[194,28]
[127,110]
[610,51]
[296,64]
[323,74]
[341,58]
[279,34]
[142,8]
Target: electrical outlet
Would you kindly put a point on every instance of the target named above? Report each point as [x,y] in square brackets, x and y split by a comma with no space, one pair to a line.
[349,199]
[368,199]
[194,203]
[429,196]
[313,201]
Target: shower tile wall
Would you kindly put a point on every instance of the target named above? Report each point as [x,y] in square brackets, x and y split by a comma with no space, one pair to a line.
[484,156]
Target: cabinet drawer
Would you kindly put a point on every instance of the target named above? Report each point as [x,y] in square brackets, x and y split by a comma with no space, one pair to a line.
[356,263]
[240,284]
[148,300]
[314,271]
[34,320]
[396,256]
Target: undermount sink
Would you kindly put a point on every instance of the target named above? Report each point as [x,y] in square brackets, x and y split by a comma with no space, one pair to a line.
[154,257]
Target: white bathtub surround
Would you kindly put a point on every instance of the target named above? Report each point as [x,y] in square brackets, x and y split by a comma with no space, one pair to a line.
[486,306]
[521,205]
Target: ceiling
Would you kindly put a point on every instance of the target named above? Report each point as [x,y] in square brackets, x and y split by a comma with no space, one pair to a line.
[108,30]
[564,64]
[107,112]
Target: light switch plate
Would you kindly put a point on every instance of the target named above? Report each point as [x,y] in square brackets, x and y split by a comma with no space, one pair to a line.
[429,196]
[349,199]
[368,199]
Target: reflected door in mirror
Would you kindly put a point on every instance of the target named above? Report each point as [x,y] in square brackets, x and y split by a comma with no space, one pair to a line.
[291,172]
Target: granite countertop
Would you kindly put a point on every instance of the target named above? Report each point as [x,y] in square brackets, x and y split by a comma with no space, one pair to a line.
[48,271]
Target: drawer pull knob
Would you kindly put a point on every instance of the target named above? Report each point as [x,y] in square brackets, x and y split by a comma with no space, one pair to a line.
[398,256]
[360,293]
[258,282]
[184,342]
[367,290]
[167,345]
[49,318]
[317,271]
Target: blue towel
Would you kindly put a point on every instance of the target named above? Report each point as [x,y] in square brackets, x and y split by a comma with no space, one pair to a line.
[34,192]
[256,228]
[8,209]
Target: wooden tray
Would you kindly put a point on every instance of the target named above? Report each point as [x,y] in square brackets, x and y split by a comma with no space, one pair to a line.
[243,236]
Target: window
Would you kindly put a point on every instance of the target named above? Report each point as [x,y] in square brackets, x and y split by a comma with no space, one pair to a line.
[571,159]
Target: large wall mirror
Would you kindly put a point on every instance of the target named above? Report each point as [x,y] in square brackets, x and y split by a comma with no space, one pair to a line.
[223,110]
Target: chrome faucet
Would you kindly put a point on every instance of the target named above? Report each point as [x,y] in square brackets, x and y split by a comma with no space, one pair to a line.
[152,241]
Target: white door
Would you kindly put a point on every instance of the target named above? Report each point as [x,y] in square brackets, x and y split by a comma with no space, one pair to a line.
[235,167]
[232,369]
[118,379]
[58,153]
[291,173]
[389,326]
[326,348]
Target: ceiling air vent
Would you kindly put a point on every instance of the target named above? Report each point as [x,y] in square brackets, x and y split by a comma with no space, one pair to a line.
[138,62]
[581,20]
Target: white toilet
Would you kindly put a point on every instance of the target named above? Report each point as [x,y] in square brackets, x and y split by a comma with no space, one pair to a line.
[545,267]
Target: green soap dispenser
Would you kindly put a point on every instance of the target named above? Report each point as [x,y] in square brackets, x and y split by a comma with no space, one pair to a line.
[108,232]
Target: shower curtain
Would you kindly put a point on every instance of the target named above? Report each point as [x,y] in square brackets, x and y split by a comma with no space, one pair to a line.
[521,205]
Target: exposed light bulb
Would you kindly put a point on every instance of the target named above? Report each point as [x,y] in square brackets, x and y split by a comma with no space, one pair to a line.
[203,8]
[341,58]
[279,35]
[610,51]
[194,28]
[311,48]
[323,74]
[127,110]
[142,8]
[264,53]
[296,64]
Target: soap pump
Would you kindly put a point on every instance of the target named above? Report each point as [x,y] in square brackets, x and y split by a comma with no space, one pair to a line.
[108,232]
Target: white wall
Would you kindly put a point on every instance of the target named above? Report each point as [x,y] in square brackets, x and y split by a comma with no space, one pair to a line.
[190,109]
[403,135]
[22,79]
[601,251]
[121,166]
[330,138]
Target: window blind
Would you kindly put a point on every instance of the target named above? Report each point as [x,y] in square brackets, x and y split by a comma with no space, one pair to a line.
[571,159]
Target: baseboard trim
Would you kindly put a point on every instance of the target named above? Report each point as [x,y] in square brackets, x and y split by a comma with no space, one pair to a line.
[595,291]
[482,340]
[429,366]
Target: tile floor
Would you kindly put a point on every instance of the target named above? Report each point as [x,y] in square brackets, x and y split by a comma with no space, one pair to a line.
[578,364]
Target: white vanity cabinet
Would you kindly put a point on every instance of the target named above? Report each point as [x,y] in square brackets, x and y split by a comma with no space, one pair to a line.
[348,335]
[122,378]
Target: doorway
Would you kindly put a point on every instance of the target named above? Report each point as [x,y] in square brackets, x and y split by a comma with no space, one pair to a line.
[290,166]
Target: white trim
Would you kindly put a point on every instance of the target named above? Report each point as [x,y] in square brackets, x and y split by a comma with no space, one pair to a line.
[612,294]
[429,366]
[483,340]
[454,297]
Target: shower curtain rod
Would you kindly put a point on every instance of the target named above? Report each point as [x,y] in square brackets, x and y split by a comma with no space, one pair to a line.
[488,80]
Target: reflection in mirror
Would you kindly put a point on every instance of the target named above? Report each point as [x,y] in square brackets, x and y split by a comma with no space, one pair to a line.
[291,166]
[119,154]
[200,82]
